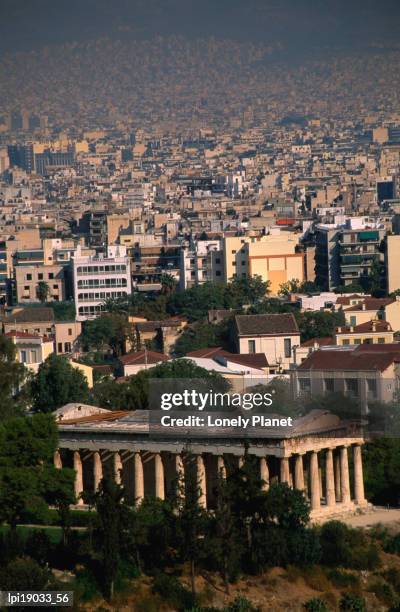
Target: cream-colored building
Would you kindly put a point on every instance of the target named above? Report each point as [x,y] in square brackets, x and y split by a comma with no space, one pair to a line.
[370,332]
[275,335]
[27,279]
[32,349]
[383,309]
[66,335]
[393,263]
[273,257]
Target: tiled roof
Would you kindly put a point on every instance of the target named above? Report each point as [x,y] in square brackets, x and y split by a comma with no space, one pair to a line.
[266,324]
[139,357]
[368,326]
[323,341]
[31,315]
[364,357]
[371,304]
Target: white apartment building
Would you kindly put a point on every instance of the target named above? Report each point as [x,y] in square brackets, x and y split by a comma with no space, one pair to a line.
[202,262]
[97,278]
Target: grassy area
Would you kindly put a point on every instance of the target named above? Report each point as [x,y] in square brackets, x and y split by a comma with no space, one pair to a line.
[54,533]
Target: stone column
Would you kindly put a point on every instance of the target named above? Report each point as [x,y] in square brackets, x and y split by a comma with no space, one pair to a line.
[221,469]
[330,479]
[201,481]
[338,486]
[139,478]
[358,475]
[344,475]
[299,473]
[180,477]
[285,475]
[57,460]
[264,473]
[97,470]
[241,462]
[314,482]
[159,476]
[117,468]
[78,477]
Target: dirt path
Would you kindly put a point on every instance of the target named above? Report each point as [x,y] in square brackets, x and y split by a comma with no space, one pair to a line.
[379,515]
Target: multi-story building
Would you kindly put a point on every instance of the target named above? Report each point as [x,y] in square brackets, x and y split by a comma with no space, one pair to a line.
[200,263]
[275,258]
[28,280]
[345,254]
[97,278]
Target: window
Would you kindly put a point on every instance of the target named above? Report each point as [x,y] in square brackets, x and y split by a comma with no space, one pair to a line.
[252,346]
[329,385]
[23,356]
[351,385]
[29,277]
[218,273]
[69,331]
[345,342]
[67,347]
[304,385]
[381,340]
[218,260]
[288,347]
[233,252]
[353,321]
[51,275]
[371,387]
[357,341]
[59,347]
[233,263]
[40,276]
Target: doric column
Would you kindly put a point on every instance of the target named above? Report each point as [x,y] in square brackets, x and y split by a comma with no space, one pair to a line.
[358,475]
[57,460]
[344,475]
[338,486]
[264,473]
[159,476]
[314,482]
[329,478]
[97,470]
[241,462]
[117,468]
[299,473]
[78,477]
[221,469]
[139,478]
[285,475]
[180,477]
[201,481]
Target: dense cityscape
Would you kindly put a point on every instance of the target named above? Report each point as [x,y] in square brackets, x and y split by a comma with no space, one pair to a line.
[196,216]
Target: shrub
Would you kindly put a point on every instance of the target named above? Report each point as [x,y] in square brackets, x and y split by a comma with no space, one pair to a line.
[38,546]
[392,545]
[392,576]
[86,586]
[343,579]
[347,547]
[383,592]
[316,578]
[173,592]
[315,605]
[351,602]
[23,574]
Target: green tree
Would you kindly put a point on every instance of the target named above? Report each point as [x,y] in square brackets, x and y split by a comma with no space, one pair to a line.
[57,383]
[43,291]
[168,284]
[27,445]
[24,574]
[318,324]
[107,332]
[109,504]
[202,335]
[350,602]
[14,396]
[59,492]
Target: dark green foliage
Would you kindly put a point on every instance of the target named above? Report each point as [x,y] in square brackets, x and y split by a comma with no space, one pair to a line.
[347,547]
[381,460]
[343,579]
[13,376]
[383,592]
[23,574]
[351,602]
[202,335]
[318,324]
[107,332]
[173,592]
[315,605]
[57,383]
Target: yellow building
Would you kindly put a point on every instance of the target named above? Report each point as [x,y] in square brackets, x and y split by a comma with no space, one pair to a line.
[273,257]
[392,263]
[371,332]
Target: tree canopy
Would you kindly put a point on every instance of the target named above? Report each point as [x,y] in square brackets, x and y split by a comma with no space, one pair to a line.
[57,383]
